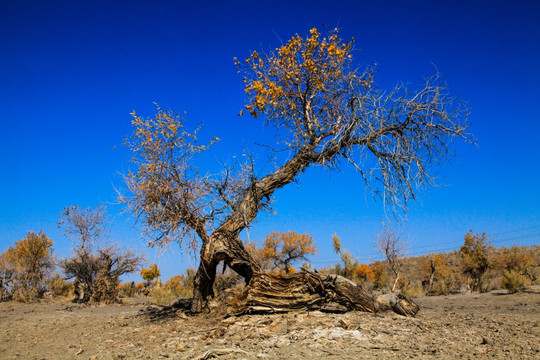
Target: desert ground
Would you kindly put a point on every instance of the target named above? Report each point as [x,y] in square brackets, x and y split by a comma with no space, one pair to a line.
[468,326]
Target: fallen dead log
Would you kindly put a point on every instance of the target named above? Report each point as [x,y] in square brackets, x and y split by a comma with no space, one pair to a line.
[398,303]
[307,290]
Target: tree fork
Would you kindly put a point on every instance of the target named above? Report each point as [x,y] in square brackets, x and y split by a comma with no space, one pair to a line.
[231,251]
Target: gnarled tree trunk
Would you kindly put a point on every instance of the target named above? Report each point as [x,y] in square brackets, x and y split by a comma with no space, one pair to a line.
[220,247]
[307,290]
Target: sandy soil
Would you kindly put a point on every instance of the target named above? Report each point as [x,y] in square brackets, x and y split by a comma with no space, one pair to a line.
[470,326]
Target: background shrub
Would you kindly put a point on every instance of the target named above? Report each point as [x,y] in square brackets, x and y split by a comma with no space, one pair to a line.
[513,281]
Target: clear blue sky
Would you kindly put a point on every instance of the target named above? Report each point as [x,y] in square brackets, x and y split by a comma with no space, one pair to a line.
[72,71]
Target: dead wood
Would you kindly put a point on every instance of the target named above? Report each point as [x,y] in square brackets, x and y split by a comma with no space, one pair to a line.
[398,303]
[307,290]
[162,312]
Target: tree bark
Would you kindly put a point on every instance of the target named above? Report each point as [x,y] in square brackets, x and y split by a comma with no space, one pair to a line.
[226,247]
[313,291]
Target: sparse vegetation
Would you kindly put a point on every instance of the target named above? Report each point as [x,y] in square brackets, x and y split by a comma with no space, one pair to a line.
[513,281]
[179,286]
[443,273]
[438,277]
[350,264]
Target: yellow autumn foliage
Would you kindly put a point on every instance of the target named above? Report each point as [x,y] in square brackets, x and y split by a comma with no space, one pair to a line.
[281,249]
[151,273]
[298,85]
[30,261]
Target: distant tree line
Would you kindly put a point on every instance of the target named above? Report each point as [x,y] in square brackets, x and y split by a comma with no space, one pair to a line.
[476,266]
[92,273]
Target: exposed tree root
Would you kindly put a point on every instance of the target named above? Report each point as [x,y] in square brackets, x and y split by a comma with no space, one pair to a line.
[313,291]
[306,290]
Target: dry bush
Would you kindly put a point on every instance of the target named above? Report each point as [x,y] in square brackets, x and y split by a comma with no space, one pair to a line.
[449,276]
[364,276]
[514,268]
[7,278]
[515,258]
[514,281]
[412,289]
[446,285]
[141,288]
[474,259]
[350,263]
[381,276]
[230,280]
[58,286]
[438,277]
[179,286]
[127,289]
[533,273]
[163,295]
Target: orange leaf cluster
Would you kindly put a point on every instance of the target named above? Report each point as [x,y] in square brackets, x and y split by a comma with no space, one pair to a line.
[280,250]
[364,272]
[151,273]
[299,86]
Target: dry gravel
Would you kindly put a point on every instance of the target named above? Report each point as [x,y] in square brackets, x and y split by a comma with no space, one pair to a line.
[469,326]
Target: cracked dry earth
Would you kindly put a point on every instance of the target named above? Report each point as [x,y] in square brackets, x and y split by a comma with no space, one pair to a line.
[470,326]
